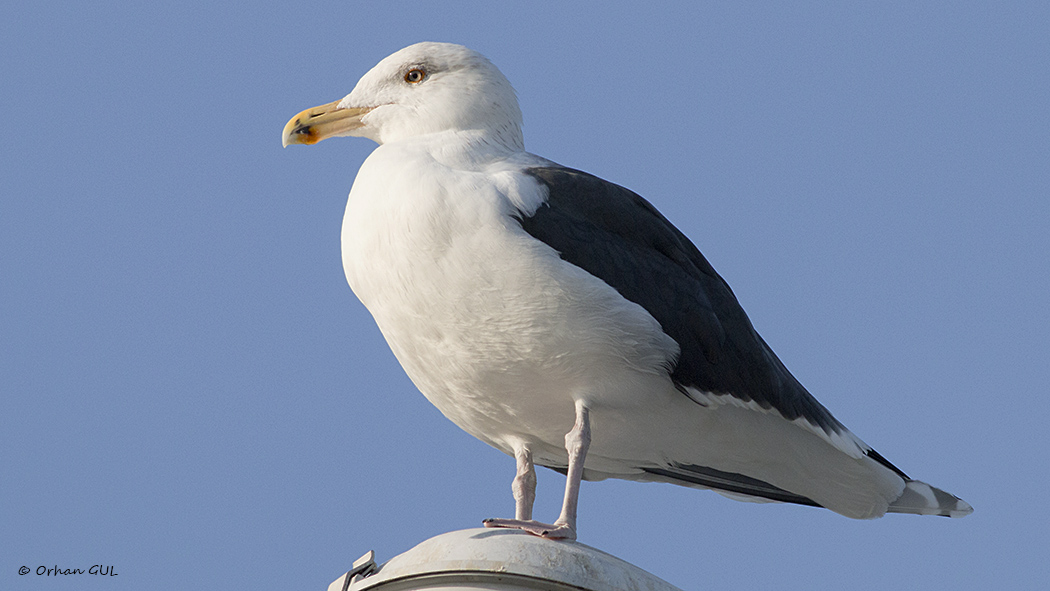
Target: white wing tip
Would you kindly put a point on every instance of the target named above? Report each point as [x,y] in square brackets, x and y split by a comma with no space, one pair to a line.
[923,499]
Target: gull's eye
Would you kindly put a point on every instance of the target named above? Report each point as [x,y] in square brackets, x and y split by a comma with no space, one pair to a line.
[415,76]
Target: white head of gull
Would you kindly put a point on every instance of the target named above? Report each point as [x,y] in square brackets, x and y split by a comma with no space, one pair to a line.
[561,319]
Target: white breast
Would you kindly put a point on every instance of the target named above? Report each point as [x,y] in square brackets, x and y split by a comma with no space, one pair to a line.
[491,325]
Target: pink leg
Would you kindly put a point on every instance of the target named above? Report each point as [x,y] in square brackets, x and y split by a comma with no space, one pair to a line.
[524,485]
[576,443]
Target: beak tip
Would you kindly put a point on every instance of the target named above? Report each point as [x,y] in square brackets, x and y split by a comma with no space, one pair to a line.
[294,133]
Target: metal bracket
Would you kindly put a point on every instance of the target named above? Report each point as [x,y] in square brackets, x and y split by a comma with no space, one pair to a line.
[363,567]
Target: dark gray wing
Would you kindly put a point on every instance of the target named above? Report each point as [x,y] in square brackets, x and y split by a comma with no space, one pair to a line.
[615,235]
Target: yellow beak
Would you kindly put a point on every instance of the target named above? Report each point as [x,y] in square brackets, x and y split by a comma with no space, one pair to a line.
[318,123]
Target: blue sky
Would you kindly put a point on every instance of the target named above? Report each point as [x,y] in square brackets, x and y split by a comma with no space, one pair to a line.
[192,394]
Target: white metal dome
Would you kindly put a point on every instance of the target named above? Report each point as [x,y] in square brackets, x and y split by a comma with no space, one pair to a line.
[503,559]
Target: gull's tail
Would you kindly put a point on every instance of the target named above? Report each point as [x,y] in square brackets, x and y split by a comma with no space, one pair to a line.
[922,499]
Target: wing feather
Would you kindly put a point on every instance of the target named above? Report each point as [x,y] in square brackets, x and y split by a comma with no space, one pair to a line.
[619,237]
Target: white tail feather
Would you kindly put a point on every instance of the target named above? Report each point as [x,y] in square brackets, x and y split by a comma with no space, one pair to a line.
[922,499]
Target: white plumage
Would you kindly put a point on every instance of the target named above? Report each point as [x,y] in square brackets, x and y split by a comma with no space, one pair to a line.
[560,319]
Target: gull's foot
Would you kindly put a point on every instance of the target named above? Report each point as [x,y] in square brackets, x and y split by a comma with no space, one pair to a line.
[555,531]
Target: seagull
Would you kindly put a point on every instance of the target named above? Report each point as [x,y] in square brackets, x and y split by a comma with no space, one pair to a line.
[561,319]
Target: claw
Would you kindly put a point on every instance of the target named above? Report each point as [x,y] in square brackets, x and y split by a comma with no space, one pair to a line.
[550,531]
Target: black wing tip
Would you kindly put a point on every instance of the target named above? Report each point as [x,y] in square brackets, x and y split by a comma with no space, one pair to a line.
[691,475]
